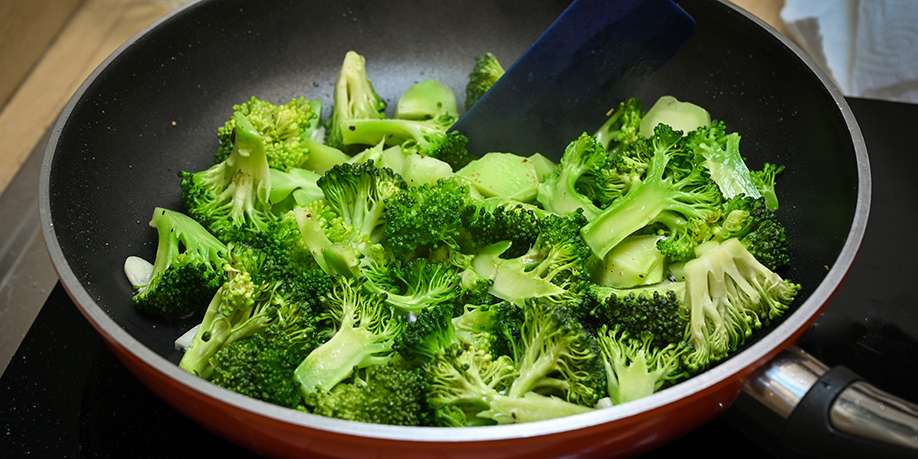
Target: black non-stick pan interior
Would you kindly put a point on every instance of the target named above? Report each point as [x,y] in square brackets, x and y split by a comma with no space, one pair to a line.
[154,110]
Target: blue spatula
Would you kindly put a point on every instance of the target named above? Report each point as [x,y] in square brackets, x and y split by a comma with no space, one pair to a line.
[569,78]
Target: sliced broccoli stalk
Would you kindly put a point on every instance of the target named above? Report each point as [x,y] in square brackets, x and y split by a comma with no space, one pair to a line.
[284,185]
[386,394]
[235,193]
[354,98]
[188,268]
[285,129]
[365,329]
[486,71]
[503,175]
[322,157]
[729,295]
[325,235]
[764,181]
[530,407]
[425,137]
[425,100]
[723,160]
[622,128]
[634,262]
[558,192]
[681,116]
[238,309]
[691,196]
[544,167]
[635,368]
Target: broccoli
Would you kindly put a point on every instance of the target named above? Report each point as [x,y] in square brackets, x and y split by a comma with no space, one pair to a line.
[656,311]
[261,365]
[729,295]
[322,157]
[233,195]
[484,74]
[491,220]
[635,367]
[357,193]
[296,187]
[764,181]
[188,268]
[425,100]
[414,286]
[423,137]
[558,193]
[386,394]
[239,309]
[556,265]
[365,328]
[553,354]
[692,196]
[634,262]
[422,219]
[430,334]
[757,228]
[326,236]
[622,128]
[284,129]
[723,160]
[354,98]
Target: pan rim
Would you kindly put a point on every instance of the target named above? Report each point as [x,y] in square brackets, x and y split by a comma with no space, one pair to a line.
[722,373]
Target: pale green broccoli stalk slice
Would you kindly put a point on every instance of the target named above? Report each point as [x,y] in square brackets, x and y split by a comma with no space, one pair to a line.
[729,295]
[285,129]
[188,268]
[764,181]
[691,196]
[485,73]
[365,329]
[238,309]
[558,192]
[425,100]
[681,116]
[530,407]
[297,185]
[634,262]
[322,157]
[723,160]
[635,368]
[326,235]
[235,193]
[354,98]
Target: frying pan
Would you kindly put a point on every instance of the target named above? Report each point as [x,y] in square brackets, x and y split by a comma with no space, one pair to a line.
[151,109]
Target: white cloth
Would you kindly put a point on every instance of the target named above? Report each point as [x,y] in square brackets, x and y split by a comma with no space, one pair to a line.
[869,47]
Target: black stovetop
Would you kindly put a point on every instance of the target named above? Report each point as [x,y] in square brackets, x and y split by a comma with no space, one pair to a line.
[65,395]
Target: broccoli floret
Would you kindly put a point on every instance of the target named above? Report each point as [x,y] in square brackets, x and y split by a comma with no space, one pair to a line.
[430,334]
[484,74]
[423,137]
[635,367]
[491,220]
[365,328]
[622,128]
[357,193]
[656,311]
[729,295]
[462,384]
[234,195]
[322,157]
[261,365]
[474,328]
[386,394]
[758,228]
[764,181]
[691,196]
[723,160]
[354,98]
[554,354]
[239,309]
[558,193]
[284,129]
[556,266]
[425,100]
[188,268]
[681,236]
[326,236]
[422,219]
[414,286]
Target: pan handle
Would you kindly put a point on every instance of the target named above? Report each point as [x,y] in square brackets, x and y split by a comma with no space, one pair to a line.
[832,411]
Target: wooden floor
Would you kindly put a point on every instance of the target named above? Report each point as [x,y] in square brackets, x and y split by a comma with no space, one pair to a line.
[96,29]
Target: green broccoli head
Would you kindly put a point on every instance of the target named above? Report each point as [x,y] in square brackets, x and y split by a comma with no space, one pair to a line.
[357,193]
[657,311]
[389,394]
[764,181]
[758,228]
[365,329]
[355,98]
[188,268]
[622,128]
[430,334]
[414,286]
[486,71]
[635,367]
[723,160]
[491,220]
[729,295]
[422,219]
[559,193]
[232,197]
[463,383]
[284,128]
